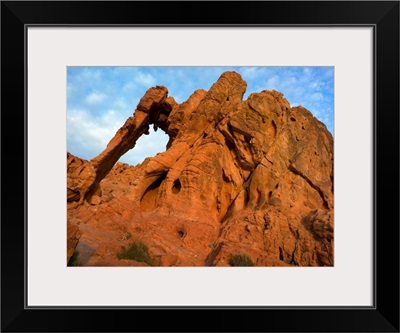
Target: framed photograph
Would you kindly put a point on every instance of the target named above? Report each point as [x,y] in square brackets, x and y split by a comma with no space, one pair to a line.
[151,148]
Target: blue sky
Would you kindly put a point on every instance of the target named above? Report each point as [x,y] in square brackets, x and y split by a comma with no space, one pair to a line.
[100,99]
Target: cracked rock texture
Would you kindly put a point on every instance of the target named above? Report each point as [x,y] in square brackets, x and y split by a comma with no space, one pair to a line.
[251,177]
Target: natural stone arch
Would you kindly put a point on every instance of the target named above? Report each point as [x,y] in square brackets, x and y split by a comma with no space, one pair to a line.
[153,108]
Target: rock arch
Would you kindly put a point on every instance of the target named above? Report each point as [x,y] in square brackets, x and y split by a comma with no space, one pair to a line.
[153,109]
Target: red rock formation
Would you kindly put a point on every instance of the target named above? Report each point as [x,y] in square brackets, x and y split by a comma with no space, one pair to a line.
[250,177]
[73,235]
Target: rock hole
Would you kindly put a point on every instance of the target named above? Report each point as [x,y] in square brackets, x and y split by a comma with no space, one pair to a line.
[260,198]
[230,144]
[176,187]
[230,129]
[269,194]
[280,254]
[227,99]
[246,197]
[267,222]
[302,127]
[273,128]
[204,135]
[148,202]
[181,232]
[225,177]
[276,186]
[292,119]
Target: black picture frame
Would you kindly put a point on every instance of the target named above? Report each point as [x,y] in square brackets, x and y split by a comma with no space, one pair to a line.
[383,316]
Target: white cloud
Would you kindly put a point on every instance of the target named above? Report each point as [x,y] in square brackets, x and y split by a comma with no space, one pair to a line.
[145,79]
[130,86]
[249,72]
[317,97]
[88,134]
[89,75]
[289,82]
[95,98]
[122,104]
[273,82]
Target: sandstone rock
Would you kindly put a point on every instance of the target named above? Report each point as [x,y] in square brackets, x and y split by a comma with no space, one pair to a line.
[250,177]
[73,235]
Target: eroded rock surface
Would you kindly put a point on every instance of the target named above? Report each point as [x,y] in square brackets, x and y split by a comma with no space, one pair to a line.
[251,177]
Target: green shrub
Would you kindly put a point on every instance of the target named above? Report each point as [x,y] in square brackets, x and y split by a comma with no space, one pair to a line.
[135,251]
[240,260]
[126,235]
[74,259]
[213,245]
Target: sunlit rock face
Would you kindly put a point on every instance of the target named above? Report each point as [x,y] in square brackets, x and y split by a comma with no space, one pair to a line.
[251,178]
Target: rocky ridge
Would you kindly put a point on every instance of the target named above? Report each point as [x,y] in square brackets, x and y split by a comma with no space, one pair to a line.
[251,177]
